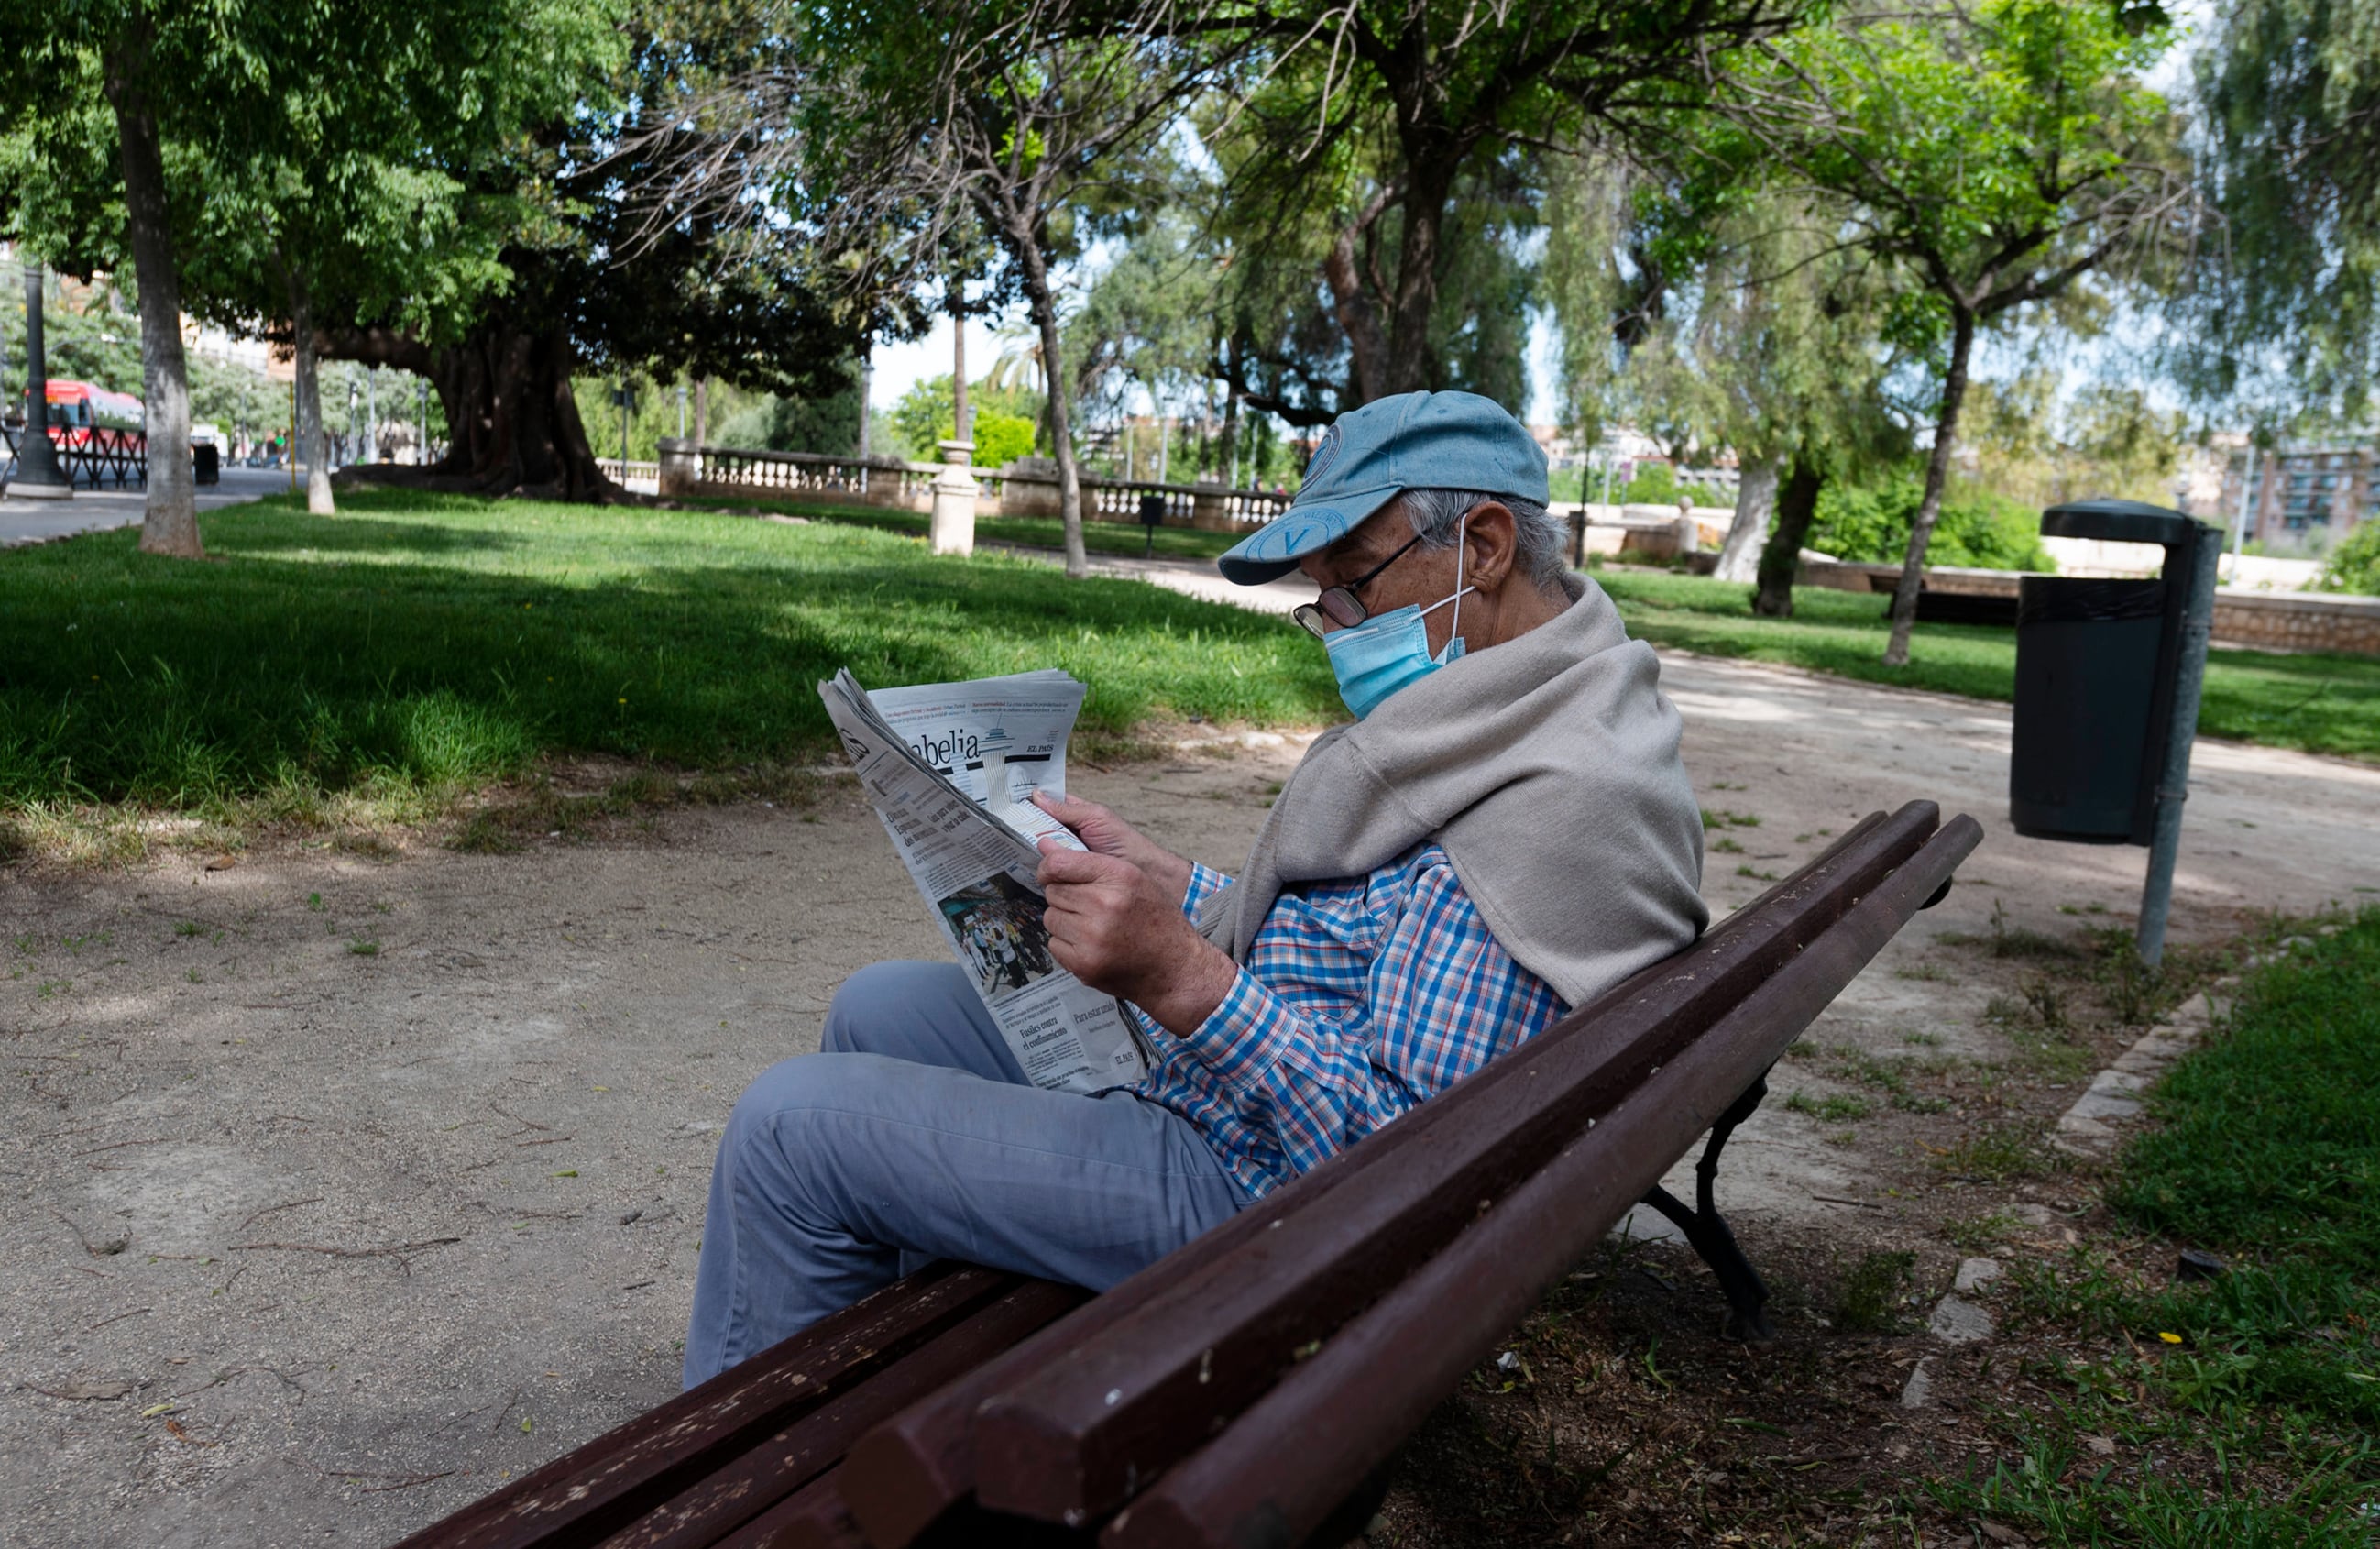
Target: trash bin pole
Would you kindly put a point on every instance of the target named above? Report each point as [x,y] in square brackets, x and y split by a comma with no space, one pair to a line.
[2173,785]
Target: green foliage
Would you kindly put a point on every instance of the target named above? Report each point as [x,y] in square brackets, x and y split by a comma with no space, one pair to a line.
[2285,312]
[2108,440]
[1871,524]
[1939,132]
[1001,439]
[420,643]
[1653,483]
[2354,565]
[1004,415]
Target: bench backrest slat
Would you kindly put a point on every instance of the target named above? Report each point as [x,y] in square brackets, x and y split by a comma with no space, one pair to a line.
[812,1518]
[1075,1437]
[1284,1464]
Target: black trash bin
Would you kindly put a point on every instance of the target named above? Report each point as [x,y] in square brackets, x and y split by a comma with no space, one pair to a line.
[206,463]
[2097,662]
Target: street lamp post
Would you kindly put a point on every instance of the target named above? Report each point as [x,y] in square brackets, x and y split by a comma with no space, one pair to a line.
[681,411]
[38,477]
[371,413]
[424,457]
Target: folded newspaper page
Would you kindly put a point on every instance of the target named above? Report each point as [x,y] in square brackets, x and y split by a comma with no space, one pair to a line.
[952,769]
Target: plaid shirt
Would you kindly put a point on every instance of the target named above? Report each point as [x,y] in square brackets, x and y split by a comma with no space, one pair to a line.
[1358,1000]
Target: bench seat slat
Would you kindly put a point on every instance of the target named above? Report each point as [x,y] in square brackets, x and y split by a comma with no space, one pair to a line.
[905,1475]
[1077,1436]
[787,1461]
[624,1472]
[1292,1457]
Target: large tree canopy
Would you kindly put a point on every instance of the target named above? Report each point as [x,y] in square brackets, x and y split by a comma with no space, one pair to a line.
[1996,156]
[1377,128]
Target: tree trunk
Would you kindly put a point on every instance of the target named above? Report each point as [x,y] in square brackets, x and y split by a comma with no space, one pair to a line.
[512,423]
[312,445]
[170,515]
[1937,474]
[1053,375]
[1367,351]
[1232,420]
[1747,535]
[1781,558]
[1431,181]
[958,363]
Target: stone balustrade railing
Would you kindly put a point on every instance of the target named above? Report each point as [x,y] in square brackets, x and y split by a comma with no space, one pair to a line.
[1019,490]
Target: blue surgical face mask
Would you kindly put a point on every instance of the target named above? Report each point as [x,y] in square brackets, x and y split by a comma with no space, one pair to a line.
[1388,651]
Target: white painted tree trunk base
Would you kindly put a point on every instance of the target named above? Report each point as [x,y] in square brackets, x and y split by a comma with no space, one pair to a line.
[1755,507]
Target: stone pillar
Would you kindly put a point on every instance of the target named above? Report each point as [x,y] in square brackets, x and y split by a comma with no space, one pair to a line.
[680,467]
[1690,535]
[1210,511]
[951,528]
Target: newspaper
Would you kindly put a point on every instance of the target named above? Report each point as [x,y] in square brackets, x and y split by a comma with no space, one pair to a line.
[952,769]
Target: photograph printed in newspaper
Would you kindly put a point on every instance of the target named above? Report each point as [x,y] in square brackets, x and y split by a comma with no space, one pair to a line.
[952,769]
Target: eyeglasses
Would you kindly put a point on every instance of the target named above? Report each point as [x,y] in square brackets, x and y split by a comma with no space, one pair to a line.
[1338,607]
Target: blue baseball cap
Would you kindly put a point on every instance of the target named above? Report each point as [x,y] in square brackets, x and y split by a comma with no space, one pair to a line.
[1369,456]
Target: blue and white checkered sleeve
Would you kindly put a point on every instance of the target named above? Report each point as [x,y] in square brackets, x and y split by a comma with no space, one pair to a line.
[1205,882]
[1440,999]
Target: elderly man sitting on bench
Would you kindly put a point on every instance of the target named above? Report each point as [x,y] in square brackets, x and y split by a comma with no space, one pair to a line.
[1504,831]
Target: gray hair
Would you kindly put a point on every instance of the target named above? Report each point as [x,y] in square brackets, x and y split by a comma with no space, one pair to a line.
[1543,539]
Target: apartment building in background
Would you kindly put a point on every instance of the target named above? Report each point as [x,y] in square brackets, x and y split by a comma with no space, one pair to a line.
[2303,491]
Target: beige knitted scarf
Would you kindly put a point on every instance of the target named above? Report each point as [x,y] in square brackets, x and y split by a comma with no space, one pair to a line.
[1547,770]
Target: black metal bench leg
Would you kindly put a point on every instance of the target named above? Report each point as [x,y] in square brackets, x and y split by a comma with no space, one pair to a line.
[1747,1298]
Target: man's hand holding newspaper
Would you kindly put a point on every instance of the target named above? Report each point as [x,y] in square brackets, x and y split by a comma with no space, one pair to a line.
[952,770]
[1116,919]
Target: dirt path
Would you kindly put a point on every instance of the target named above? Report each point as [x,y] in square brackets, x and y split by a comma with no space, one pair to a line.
[345,1188]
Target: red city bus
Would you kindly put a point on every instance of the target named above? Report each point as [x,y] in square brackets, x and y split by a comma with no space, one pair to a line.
[87,418]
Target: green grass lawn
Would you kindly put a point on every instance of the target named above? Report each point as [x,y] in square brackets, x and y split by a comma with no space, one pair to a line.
[2321,703]
[2267,1377]
[419,646]
[422,643]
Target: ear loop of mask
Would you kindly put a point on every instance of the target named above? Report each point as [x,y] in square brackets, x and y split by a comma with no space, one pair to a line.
[1454,633]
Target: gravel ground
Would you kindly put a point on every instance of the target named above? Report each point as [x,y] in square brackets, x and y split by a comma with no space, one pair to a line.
[348,1187]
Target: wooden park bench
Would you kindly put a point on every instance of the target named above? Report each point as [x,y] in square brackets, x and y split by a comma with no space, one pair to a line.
[1252,1388]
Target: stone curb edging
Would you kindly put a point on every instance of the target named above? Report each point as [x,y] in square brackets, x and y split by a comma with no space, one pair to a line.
[2085,1129]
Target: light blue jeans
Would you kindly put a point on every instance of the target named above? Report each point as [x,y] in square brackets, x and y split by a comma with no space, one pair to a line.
[912,1135]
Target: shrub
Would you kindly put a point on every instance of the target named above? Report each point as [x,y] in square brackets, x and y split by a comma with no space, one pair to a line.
[1001,439]
[1654,484]
[1871,524]
[2354,565]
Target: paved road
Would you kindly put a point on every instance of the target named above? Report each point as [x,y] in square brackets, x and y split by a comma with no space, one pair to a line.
[31,521]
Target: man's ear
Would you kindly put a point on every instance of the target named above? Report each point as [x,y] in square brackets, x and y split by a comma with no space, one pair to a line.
[1490,539]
